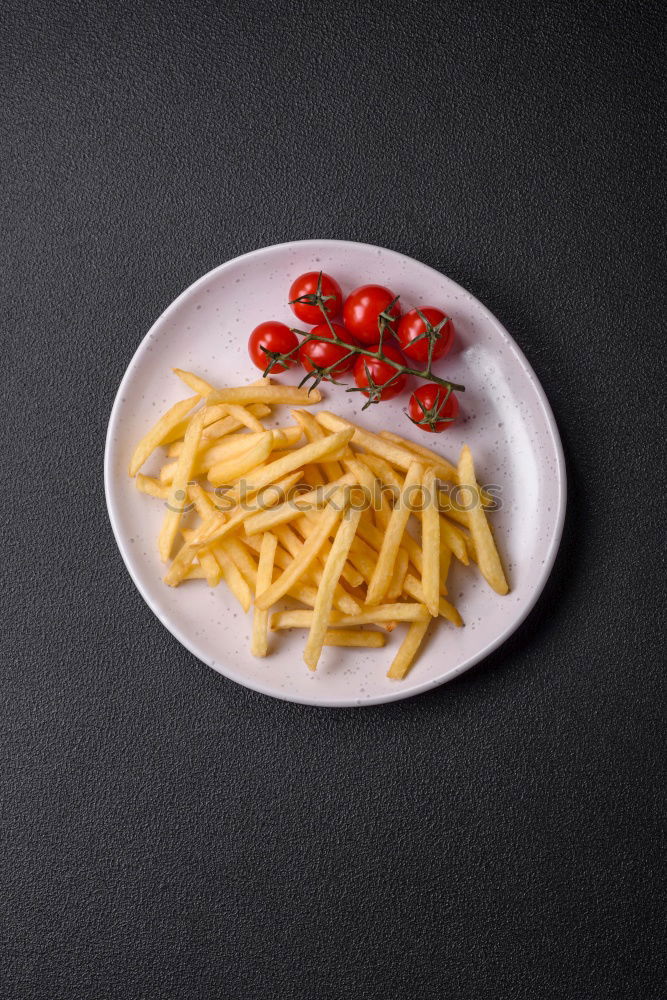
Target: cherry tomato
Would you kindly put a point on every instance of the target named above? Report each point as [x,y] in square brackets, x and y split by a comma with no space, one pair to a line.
[432,409]
[380,373]
[306,286]
[322,353]
[412,326]
[362,308]
[274,337]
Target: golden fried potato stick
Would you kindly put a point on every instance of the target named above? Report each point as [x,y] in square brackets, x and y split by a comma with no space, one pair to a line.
[246,565]
[413,588]
[408,650]
[314,432]
[245,417]
[159,430]
[224,425]
[398,455]
[221,425]
[259,645]
[384,567]
[234,410]
[454,537]
[217,450]
[305,525]
[231,468]
[354,637]
[444,469]
[440,463]
[196,572]
[294,545]
[488,559]
[371,616]
[431,543]
[217,527]
[232,574]
[179,487]
[200,385]
[195,383]
[300,592]
[296,459]
[151,487]
[347,528]
[445,562]
[313,477]
[204,504]
[328,518]
[207,562]
[398,576]
[265,394]
[285,512]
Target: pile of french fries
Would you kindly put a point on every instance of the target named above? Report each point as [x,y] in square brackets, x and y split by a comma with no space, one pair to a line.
[319,512]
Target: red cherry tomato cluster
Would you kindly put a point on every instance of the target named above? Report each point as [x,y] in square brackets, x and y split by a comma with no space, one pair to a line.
[413,340]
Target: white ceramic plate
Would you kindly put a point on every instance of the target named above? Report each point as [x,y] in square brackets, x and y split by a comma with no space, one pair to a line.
[505,418]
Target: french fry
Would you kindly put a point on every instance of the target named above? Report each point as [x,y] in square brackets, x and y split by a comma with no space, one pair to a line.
[430,544]
[208,564]
[401,457]
[246,565]
[260,624]
[354,637]
[312,476]
[217,421]
[329,517]
[195,383]
[239,413]
[443,468]
[226,471]
[291,542]
[371,616]
[204,505]
[408,650]
[445,562]
[413,588]
[486,552]
[283,513]
[244,417]
[333,567]
[231,445]
[398,576]
[231,573]
[179,486]
[265,394]
[217,527]
[159,430]
[454,537]
[222,425]
[151,487]
[314,432]
[295,460]
[305,524]
[195,572]
[301,591]
[384,567]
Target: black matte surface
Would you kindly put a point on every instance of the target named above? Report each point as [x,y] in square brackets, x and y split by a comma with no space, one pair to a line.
[169,834]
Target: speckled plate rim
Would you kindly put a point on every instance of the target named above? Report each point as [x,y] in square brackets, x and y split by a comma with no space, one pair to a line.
[399,693]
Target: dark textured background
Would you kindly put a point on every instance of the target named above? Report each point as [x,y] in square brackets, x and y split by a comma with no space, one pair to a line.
[167,833]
